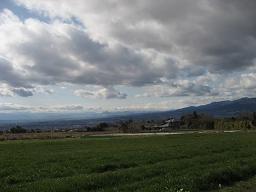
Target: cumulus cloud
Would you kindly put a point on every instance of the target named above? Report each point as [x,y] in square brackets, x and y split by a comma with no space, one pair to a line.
[60,52]
[5,91]
[23,92]
[11,76]
[248,81]
[170,48]
[218,34]
[180,89]
[106,93]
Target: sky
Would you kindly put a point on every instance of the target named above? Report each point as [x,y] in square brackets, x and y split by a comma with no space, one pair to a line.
[119,55]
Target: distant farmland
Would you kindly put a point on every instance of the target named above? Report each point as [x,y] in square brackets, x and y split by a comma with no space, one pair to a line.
[193,162]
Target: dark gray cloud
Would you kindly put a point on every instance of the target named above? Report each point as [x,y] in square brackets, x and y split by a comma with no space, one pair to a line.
[23,92]
[14,81]
[226,39]
[193,89]
[216,34]
[219,35]
[182,88]
[10,75]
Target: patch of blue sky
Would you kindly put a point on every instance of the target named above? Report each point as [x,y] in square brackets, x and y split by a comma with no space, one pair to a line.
[22,12]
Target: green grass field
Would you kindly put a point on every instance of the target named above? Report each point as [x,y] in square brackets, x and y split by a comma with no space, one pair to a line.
[195,162]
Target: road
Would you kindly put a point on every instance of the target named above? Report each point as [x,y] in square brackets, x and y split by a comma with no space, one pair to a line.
[163,133]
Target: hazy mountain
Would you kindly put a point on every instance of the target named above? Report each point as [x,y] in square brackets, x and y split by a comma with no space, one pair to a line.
[217,109]
[222,108]
[52,116]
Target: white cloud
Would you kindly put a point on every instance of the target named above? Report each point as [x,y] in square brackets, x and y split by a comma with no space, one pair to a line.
[5,90]
[11,107]
[248,81]
[106,93]
[5,107]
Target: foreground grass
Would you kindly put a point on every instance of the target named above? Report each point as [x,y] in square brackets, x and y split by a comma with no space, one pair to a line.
[243,186]
[196,162]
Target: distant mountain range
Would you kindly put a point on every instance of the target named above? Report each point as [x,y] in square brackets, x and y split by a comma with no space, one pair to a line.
[220,109]
[216,109]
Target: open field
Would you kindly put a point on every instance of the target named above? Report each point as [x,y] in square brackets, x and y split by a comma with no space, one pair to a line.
[192,162]
[46,135]
[63,135]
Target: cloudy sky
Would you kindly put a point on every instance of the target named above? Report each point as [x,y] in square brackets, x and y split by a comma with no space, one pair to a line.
[101,55]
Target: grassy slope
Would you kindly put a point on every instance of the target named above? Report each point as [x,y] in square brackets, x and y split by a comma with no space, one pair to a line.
[196,162]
